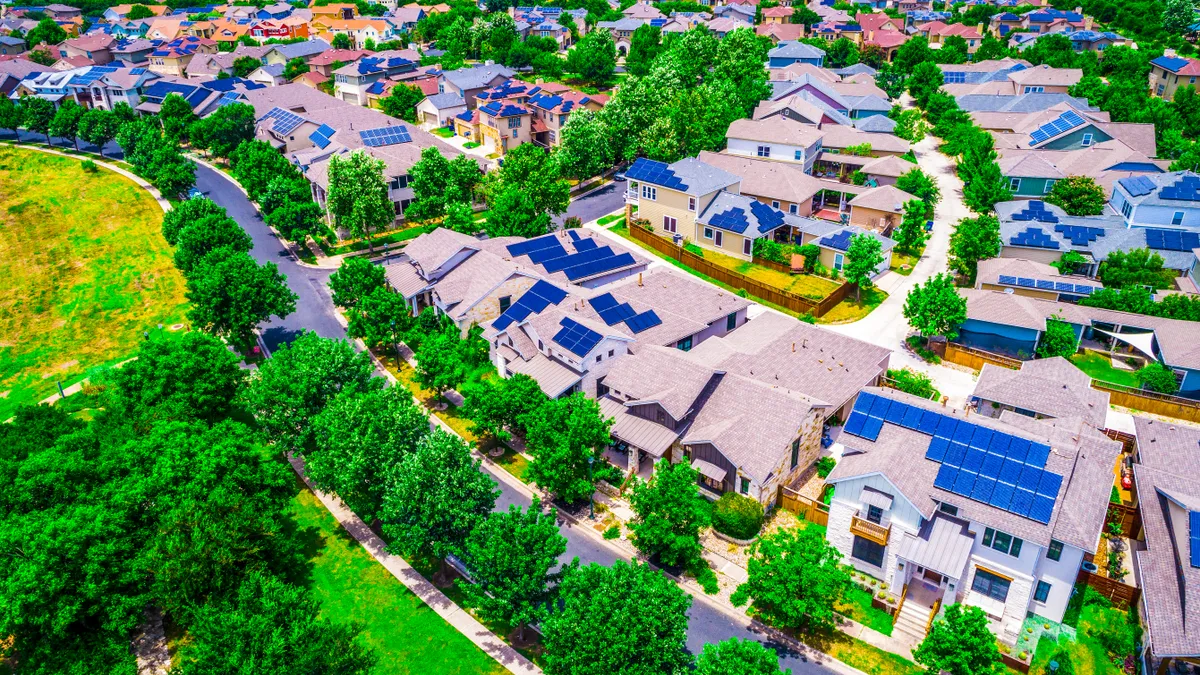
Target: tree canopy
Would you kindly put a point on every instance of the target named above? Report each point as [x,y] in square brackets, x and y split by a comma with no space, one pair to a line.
[936,308]
[1078,196]
[795,578]
[561,435]
[670,514]
[960,643]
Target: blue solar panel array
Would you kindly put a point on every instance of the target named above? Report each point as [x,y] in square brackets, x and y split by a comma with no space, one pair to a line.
[499,109]
[1172,240]
[954,77]
[285,121]
[733,220]
[1194,536]
[384,136]
[588,260]
[655,173]
[576,337]
[1138,185]
[540,296]
[1033,237]
[767,217]
[979,463]
[1186,189]
[1035,210]
[1079,234]
[647,319]
[613,313]
[838,240]
[524,247]
[1062,124]
[322,136]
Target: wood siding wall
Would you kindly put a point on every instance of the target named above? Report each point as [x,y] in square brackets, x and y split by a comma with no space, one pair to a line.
[710,454]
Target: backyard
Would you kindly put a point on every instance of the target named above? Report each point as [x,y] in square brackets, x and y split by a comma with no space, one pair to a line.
[1099,366]
[1093,635]
[850,310]
[805,285]
[85,271]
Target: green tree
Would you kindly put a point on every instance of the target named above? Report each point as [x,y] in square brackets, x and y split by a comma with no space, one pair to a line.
[294,221]
[1069,262]
[341,41]
[974,239]
[295,68]
[669,516]
[354,280]
[804,15]
[66,121]
[926,78]
[514,214]
[357,438]
[863,257]
[1136,267]
[97,126]
[510,556]
[987,188]
[1178,16]
[1159,378]
[739,62]
[841,52]
[231,294]
[529,169]
[497,406]
[186,212]
[910,236]
[644,46]
[270,628]
[37,114]
[460,217]
[255,165]
[403,100]
[439,363]
[10,117]
[936,308]
[913,382]
[919,184]
[627,618]
[991,47]
[176,116]
[201,237]
[584,149]
[740,657]
[909,124]
[224,129]
[561,435]
[46,31]
[1057,340]
[594,57]
[436,182]
[382,318]
[358,195]
[281,190]
[959,643]
[435,497]
[244,65]
[913,52]
[795,579]
[293,386]
[138,12]
[1078,196]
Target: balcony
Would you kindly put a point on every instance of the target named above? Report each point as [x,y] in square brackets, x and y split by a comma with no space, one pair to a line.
[876,532]
[631,196]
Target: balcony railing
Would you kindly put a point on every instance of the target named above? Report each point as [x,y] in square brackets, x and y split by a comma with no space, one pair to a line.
[876,532]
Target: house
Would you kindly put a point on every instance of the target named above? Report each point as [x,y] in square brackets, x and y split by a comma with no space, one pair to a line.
[121,85]
[1164,200]
[622,32]
[552,110]
[96,47]
[948,507]
[439,110]
[118,13]
[787,53]
[11,45]
[852,99]
[1006,77]
[879,209]
[782,185]
[1168,73]
[1021,103]
[780,32]
[60,12]
[721,26]
[779,138]
[831,30]
[885,170]
[467,82]
[642,10]
[1042,389]
[1096,41]
[342,10]
[503,126]
[314,80]
[739,14]
[1033,279]
[323,63]
[406,18]
[282,53]
[1032,173]
[279,29]
[731,222]
[777,15]
[358,30]
[133,52]
[172,58]
[351,81]
[1168,567]
[268,76]
[938,31]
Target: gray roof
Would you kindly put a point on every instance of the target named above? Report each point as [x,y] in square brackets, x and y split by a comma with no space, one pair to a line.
[879,124]
[476,77]
[273,69]
[662,375]
[795,50]
[1053,387]
[1160,181]
[448,100]
[1170,583]
[302,49]
[868,102]
[636,431]
[1083,458]
[1168,446]
[626,23]
[1024,103]
[10,40]
[943,544]
[701,178]
[856,69]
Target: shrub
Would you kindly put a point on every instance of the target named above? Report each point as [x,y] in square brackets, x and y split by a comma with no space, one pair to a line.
[572,222]
[825,466]
[913,382]
[1159,378]
[769,249]
[694,249]
[737,516]
[89,166]
[612,532]
[1063,658]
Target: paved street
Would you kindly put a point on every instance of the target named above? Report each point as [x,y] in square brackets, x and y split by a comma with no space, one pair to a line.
[599,202]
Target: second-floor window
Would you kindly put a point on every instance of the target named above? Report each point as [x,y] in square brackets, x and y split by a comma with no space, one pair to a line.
[1127,209]
[799,156]
[649,192]
[1049,186]
[1054,552]
[691,203]
[764,151]
[874,514]
[1014,184]
[795,448]
[731,321]
[684,345]
[1087,140]
[1002,541]
[514,123]
[794,210]
[399,182]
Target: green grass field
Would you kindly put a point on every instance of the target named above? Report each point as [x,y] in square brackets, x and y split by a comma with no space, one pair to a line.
[408,636]
[85,271]
[1099,367]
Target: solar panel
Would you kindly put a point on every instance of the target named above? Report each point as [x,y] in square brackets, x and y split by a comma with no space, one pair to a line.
[982,491]
[385,136]
[954,77]
[999,444]
[1041,509]
[562,262]
[945,477]
[321,137]
[541,295]
[285,122]
[912,418]
[1018,449]
[1010,472]
[1021,501]
[1083,290]
[937,449]
[946,427]
[982,438]
[929,422]
[973,459]
[643,321]
[1049,484]
[1137,185]
[616,314]
[1030,477]
[872,428]
[543,255]
[603,302]
[1002,495]
[992,465]
[1007,279]
[1063,287]
[895,413]
[576,338]
[955,454]
[1038,454]
[524,247]
[1172,240]
[1194,536]
[603,265]
[964,482]
[839,240]
[1045,285]
[585,245]
[1026,282]
[855,422]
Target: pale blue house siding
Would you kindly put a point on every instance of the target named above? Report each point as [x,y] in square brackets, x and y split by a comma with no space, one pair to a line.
[1074,140]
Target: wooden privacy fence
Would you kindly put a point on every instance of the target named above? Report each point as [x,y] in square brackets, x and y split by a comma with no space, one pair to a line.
[808,509]
[758,289]
[1121,595]
[975,358]
[1149,401]
[1128,517]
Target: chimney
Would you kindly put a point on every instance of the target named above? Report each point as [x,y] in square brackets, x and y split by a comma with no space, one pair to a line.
[639,278]
[793,347]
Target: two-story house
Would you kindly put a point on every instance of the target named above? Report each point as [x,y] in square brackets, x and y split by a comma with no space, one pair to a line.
[503,126]
[949,507]
[94,46]
[173,57]
[551,110]
[351,81]
[779,138]
[1165,200]
[787,53]
[1169,73]
[467,82]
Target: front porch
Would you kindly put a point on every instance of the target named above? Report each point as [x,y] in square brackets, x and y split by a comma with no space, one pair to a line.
[638,444]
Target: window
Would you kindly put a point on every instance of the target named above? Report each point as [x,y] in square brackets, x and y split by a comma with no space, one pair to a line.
[505,303]
[514,123]
[714,484]
[948,509]
[764,151]
[1087,140]
[1055,550]
[1014,184]
[874,514]
[1177,219]
[1126,209]
[540,347]
[717,237]
[745,486]
[1034,90]
[867,551]
[1002,541]
[774,204]
[691,203]
[795,452]
[794,210]
[992,585]
[838,259]
[1041,592]
[598,358]
[684,345]
[731,321]
[708,233]
[1049,185]
[799,156]
[670,224]
[649,192]
[610,353]
[748,246]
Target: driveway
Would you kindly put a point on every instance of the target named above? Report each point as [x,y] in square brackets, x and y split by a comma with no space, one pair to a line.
[596,204]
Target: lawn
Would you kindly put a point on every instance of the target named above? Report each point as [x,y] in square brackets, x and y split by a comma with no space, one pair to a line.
[379,240]
[900,260]
[848,310]
[1099,367]
[856,605]
[610,218]
[858,654]
[85,271]
[407,634]
[804,285]
[444,132]
[1091,615]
